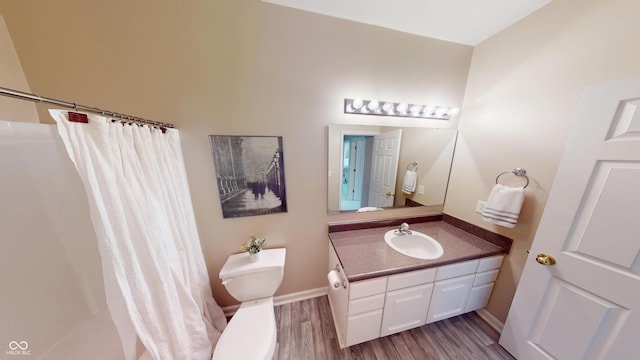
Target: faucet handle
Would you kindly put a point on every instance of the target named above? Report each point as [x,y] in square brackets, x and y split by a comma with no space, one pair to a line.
[404,227]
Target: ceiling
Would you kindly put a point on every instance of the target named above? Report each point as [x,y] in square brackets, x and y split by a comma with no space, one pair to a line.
[466,22]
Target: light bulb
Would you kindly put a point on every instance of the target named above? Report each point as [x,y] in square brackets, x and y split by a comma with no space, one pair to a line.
[373,105]
[388,107]
[442,110]
[356,103]
[415,109]
[402,108]
[429,110]
[454,110]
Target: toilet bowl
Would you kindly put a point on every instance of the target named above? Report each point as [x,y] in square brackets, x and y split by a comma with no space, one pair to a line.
[251,333]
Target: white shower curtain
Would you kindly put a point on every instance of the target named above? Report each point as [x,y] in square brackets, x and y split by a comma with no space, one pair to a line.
[156,280]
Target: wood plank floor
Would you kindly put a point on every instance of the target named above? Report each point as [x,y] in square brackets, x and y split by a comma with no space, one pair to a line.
[306,331]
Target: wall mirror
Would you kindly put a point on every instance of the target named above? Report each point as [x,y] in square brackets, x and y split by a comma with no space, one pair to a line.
[368,165]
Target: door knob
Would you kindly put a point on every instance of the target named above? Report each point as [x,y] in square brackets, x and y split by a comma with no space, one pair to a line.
[545,259]
[389,194]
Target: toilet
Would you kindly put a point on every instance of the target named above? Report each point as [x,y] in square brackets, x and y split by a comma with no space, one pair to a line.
[251,333]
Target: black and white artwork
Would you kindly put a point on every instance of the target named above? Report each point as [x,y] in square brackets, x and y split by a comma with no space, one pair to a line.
[250,174]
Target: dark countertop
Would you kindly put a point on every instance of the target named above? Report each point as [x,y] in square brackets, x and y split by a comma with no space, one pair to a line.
[365,255]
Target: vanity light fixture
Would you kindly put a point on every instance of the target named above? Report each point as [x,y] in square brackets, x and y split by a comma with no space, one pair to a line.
[401,109]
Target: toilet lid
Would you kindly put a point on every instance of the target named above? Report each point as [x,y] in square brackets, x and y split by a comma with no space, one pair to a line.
[239,264]
[251,333]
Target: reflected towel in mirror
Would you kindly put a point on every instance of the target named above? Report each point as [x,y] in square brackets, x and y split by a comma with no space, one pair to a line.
[409,182]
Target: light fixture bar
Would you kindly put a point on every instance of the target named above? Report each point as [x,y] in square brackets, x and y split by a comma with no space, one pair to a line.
[388,108]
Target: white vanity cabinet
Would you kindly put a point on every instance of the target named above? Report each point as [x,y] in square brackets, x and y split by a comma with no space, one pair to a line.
[367,309]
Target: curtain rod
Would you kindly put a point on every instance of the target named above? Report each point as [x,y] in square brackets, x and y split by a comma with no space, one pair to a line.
[36,98]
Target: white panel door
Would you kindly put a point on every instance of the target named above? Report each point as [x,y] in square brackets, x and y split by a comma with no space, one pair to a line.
[587,305]
[384,168]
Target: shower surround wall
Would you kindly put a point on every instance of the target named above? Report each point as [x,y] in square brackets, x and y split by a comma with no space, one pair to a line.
[52,289]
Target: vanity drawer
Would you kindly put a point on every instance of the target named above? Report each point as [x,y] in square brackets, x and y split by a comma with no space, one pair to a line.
[490,263]
[369,303]
[486,277]
[411,278]
[455,270]
[365,288]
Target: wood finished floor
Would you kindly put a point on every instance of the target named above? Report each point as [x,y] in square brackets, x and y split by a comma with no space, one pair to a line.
[306,331]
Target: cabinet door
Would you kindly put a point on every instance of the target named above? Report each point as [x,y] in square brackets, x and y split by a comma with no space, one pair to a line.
[450,298]
[406,309]
[363,327]
[479,297]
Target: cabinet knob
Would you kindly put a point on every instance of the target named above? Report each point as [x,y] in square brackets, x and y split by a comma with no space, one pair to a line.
[545,259]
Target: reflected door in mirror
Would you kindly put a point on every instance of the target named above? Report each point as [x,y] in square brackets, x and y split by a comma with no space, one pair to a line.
[384,168]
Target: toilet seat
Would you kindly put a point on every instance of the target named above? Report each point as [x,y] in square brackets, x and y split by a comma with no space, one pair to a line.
[251,333]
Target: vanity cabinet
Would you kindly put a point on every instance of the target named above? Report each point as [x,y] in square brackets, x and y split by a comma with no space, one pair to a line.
[367,309]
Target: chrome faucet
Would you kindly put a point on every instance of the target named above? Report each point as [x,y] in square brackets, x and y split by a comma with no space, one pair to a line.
[403,229]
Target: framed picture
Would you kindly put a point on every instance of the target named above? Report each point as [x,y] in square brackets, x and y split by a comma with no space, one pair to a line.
[250,174]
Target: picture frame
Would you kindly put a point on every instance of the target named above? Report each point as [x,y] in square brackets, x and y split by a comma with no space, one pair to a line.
[249,174]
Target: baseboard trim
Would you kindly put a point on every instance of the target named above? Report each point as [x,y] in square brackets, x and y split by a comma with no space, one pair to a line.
[301,295]
[285,299]
[496,324]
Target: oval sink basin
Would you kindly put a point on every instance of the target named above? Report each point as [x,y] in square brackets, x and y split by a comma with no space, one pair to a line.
[416,245]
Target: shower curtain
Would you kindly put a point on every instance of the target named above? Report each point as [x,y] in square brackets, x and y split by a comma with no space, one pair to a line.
[155,277]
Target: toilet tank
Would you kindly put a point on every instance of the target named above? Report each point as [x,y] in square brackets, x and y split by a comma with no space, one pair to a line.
[246,280]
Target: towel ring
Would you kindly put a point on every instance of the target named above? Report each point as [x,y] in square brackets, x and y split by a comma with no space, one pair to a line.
[414,164]
[516,172]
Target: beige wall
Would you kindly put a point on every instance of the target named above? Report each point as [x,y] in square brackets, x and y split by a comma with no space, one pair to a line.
[524,88]
[12,77]
[235,68]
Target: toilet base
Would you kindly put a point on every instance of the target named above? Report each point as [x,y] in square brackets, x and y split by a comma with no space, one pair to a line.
[251,333]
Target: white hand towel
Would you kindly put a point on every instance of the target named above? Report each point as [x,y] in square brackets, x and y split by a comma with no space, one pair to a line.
[369,208]
[503,206]
[409,182]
